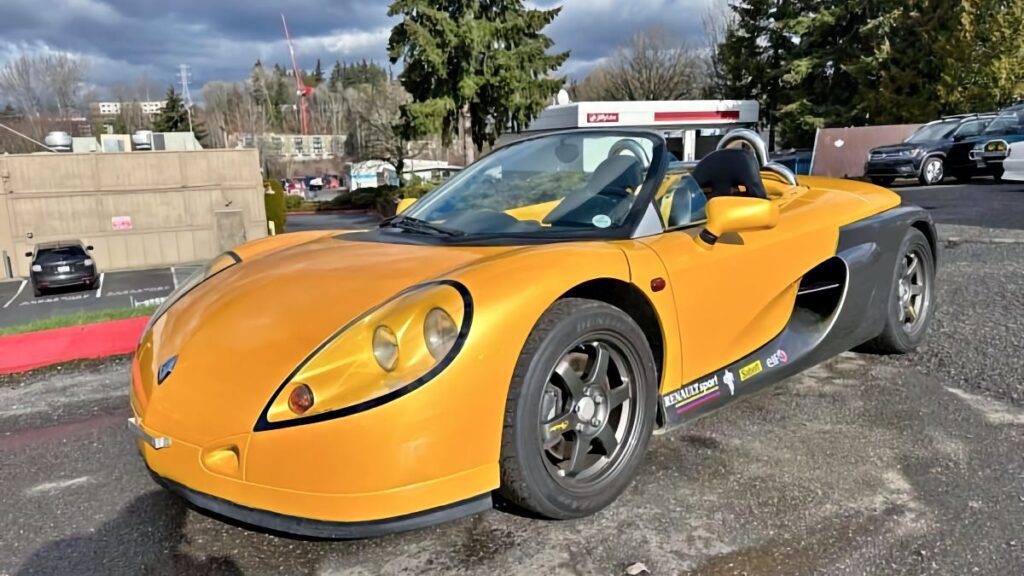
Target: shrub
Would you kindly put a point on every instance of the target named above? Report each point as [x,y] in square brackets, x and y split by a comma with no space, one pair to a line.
[292,202]
[275,204]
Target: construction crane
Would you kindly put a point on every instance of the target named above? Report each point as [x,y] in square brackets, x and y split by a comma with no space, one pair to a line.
[301,90]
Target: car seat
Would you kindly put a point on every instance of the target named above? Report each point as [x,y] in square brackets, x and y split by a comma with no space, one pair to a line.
[730,172]
[609,191]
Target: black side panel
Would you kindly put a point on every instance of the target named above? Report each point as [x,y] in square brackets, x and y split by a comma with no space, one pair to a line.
[868,250]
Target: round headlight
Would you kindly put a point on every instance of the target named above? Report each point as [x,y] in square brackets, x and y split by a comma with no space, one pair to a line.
[385,348]
[440,333]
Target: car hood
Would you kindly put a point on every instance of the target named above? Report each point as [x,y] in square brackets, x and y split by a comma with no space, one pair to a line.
[895,148]
[238,335]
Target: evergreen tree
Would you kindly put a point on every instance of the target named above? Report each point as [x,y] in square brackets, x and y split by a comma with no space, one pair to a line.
[173,117]
[318,74]
[336,81]
[487,59]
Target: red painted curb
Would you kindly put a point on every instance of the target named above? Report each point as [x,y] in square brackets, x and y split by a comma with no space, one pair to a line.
[23,352]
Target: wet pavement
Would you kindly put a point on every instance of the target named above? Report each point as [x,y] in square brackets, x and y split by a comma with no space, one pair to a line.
[864,465]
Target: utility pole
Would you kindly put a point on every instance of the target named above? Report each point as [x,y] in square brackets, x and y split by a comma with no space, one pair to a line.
[186,94]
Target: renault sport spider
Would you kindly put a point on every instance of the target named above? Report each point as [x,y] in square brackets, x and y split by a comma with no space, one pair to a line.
[520,332]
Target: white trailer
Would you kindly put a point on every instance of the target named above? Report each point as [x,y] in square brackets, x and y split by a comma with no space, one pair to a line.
[692,127]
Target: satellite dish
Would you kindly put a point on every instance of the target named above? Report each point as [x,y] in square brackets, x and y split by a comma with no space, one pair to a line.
[563,97]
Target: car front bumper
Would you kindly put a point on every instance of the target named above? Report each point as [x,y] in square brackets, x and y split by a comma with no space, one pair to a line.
[198,474]
[892,168]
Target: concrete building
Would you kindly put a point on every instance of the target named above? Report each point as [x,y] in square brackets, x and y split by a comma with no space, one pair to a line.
[137,210]
[295,147]
[114,108]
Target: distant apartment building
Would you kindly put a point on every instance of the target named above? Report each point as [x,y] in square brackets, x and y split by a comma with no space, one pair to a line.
[295,147]
[114,108]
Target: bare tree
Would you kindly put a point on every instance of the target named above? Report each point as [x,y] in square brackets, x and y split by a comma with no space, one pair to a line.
[21,85]
[64,76]
[653,66]
[376,125]
[43,87]
[717,19]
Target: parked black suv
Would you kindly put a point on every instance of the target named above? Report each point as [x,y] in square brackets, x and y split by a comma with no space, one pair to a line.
[934,151]
[60,264]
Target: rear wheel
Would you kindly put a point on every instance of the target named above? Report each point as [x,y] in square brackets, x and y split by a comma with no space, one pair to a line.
[37,292]
[911,299]
[580,411]
[882,180]
[932,171]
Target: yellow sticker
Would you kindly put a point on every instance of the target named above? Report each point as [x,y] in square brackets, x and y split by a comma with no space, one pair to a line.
[561,426]
[750,370]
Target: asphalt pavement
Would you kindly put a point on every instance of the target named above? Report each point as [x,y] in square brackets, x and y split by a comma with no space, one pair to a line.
[983,202]
[128,289]
[863,465]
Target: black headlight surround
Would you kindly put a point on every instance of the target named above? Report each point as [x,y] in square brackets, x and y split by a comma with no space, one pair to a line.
[264,424]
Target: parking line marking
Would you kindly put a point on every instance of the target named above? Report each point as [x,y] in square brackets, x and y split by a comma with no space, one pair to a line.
[99,291]
[174,278]
[16,294]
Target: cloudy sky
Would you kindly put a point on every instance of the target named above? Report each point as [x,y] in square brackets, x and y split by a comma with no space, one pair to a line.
[125,40]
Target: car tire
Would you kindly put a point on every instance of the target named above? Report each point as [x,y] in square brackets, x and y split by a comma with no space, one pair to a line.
[37,292]
[997,174]
[913,288]
[882,180]
[610,417]
[932,171]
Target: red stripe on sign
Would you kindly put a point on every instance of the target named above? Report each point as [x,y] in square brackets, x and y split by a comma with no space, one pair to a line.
[691,116]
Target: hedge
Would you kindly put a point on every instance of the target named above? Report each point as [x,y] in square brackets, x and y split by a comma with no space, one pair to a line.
[275,204]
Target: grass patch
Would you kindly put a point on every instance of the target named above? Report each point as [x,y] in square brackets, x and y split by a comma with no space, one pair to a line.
[78,319]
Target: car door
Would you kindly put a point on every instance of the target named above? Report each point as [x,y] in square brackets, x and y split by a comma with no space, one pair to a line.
[957,157]
[735,296]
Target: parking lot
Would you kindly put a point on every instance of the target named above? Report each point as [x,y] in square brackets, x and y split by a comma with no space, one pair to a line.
[127,289]
[863,465]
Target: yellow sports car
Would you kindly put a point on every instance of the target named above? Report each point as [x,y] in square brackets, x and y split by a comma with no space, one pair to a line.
[519,332]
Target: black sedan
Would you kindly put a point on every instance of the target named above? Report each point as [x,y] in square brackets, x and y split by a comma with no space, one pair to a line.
[936,150]
[62,264]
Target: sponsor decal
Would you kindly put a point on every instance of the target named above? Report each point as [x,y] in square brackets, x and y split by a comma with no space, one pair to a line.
[750,370]
[696,394]
[780,357]
[730,381]
[602,117]
[560,427]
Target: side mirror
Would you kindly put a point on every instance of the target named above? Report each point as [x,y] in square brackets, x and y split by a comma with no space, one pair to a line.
[28,254]
[404,204]
[737,214]
[958,137]
[88,248]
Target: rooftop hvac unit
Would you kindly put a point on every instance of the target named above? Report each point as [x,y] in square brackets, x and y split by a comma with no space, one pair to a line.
[59,141]
[142,140]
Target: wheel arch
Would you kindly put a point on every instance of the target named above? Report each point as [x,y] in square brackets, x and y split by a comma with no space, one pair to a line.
[631,300]
[928,229]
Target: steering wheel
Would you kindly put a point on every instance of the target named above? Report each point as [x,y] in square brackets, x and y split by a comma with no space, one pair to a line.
[634,148]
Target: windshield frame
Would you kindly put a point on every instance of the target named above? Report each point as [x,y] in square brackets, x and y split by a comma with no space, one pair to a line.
[655,174]
[1013,112]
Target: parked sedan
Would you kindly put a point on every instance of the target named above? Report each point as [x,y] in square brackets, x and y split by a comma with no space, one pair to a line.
[1013,165]
[936,150]
[61,264]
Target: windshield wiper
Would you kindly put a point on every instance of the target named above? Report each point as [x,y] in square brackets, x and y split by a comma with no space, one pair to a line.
[410,224]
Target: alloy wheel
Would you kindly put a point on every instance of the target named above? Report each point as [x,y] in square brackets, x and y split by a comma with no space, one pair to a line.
[588,413]
[933,171]
[914,293]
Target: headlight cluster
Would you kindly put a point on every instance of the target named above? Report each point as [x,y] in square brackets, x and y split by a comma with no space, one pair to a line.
[913,152]
[212,268]
[995,146]
[382,355]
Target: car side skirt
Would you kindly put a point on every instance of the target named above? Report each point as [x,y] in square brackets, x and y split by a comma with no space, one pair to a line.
[840,305]
[295,526]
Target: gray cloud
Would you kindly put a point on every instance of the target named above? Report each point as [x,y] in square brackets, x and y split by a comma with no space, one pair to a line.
[220,39]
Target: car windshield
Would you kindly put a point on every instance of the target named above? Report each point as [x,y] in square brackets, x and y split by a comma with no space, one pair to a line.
[561,183]
[1007,122]
[932,132]
[54,255]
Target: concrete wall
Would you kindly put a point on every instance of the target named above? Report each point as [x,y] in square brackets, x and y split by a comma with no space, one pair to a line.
[182,206]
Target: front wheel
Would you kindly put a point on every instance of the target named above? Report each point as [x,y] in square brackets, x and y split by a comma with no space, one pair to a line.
[580,411]
[932,171]
[911,298]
